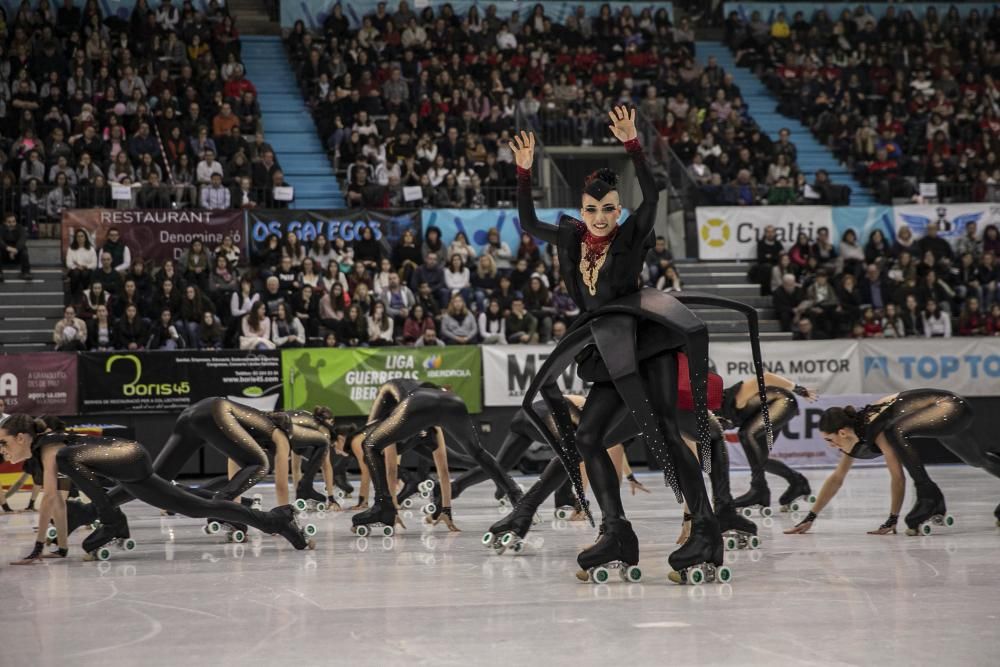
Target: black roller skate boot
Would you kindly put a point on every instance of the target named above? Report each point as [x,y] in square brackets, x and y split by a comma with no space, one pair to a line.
[757,498]
[928,510]
[996,513]
[701,557]
[431,508]
[796,496]
[411,487]
[738,532]
[284,521]
[340,475]
[112,532]
[308,498]
[510,531]
[379,519]
[566,502]
[616,548]
[79,514]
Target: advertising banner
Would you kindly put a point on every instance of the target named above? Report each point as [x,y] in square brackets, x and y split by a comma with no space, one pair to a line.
[863,220]
[951,219]
[829,366]
[347,224]
[171,381]
[966,366]
[40,383]
[732,232]
[799,443]
[875,10]
[509,369]
[156,235]
[347,379]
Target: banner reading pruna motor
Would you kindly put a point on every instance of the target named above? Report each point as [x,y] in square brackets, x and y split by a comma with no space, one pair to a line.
[347,224]
[171,381]
[156,236]
[39,383]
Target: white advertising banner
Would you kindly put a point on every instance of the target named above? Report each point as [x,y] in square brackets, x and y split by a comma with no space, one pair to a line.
[509,369]
[966,366]
[799,444]
[732,232]
[951,219]
[829,366]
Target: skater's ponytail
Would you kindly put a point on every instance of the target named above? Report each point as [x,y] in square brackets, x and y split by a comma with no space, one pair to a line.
[323,414]
[21,423]
[53,423]
[834,419]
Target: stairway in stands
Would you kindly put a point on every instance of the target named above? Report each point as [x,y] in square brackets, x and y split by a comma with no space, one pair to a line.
[29,311]
[729,279]
[812,155]
[288,126]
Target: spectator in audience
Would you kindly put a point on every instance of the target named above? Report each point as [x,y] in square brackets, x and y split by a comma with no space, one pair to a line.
[937,323]
[100,331]
[152,194]
[431,274]
[769,249]
[417,321]
[852,255]
[109,278]
[670,281]
[121,256]
[521,327]
[165,334]
[70,333]
[804,330]
[81,261]
[398,299]
[934,244]
[988,278]
[892,324]
[354,327]
[380,326]
[789,302]
[215,196]
[972,321]
[498,250]
[131,331]
[256,329]
[286,330]
[458,326]
[993,321]
[492,326]
[429,339]
[457,279]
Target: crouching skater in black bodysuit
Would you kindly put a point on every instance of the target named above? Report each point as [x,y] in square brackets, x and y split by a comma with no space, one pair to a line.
[84,459]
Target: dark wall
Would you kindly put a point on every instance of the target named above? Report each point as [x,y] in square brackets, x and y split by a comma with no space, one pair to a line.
[152,430]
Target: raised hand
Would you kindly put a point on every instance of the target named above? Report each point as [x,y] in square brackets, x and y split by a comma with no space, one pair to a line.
[523,145]
[623,123]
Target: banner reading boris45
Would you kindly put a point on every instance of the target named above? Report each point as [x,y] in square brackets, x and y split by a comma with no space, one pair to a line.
[732,232]
[155,235]
[347,224]
[171,381]
[509,369]
[39,383]
[347,379]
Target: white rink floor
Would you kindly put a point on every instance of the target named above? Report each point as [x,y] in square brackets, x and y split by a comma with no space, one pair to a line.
[836,596]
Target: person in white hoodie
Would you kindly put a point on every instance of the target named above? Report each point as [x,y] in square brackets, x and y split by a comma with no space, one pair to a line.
[81,261]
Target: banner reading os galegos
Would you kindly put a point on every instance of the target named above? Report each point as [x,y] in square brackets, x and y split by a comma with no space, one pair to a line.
[347,379]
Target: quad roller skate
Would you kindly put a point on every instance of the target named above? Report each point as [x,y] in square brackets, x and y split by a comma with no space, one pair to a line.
[928,511]
[379,519]
[79,514]
[616,549]
[441,514]
[115,534]
[405,497]
[509,533]
[757,498]
[308,499]
[235,532]
[700,560]
[796,496]
[565,512]
[344,488]
[738,532]
[286,523]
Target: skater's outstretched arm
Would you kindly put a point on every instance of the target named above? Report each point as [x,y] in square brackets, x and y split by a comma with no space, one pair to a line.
[830,488]
[623,127]
[53,506]
[444,475]
[523,145]
[282,450]
[897,486]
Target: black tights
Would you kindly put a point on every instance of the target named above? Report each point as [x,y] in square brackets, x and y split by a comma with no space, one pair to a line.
[128,464]
[422,410]
[782,408]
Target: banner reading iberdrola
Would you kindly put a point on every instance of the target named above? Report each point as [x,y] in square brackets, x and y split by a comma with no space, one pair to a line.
[732,232]
[347,379]
[156,235]
[509,369]
[40,383]
[829,366]
[154,381]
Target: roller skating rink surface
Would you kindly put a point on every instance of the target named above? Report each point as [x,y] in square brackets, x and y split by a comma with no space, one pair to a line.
[835,596]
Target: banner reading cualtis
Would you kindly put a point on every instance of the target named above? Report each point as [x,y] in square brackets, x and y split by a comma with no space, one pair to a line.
[155,235]
[347,224]
[732,232]
[171,381]
[40,383]
[347,379]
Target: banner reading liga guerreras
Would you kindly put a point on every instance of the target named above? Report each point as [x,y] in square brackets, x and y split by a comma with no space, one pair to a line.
[732,232]
[156,235]
[41,383]
[347,379]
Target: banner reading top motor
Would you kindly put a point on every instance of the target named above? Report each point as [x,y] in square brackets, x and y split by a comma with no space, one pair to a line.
[347,379]
[346,224]
[171,381]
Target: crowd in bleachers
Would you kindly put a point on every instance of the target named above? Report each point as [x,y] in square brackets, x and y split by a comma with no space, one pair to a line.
[903,99]
[924,286]
[427,99]
[158,102]
[421,291]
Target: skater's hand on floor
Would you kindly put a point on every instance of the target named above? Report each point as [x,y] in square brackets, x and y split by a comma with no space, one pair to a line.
[447,521]
[800,528]
[360,506]
[399,522]
[635,485]
[27,561]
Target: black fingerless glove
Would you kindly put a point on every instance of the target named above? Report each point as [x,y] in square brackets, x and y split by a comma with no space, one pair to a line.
[6,508]
[687,517]
[36,552]
[891,521]
[631,477]
[801,391]
[809,519]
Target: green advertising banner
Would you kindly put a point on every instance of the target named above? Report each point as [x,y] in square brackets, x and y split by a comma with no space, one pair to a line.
[347,379]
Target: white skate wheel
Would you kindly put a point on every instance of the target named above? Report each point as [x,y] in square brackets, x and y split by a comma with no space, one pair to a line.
[52,533]
[339,495]
[103,553]
[746,512]
[503,502]
[518,547]
[731,544]
[925,528]
[754,542]
[696,576]
[487,539]
[300,505]
[309,530]
[128,544]
[506,539]
[361,531]
[949,520]
[766,511]
[408,503]
[599,575]
[795,507]
[321,506]
[724,575]
[425,494]
[426,486]
[387,531]
[562,514]
[430,508]
[812,499]
[213,527]
[239,536]
[632,574]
